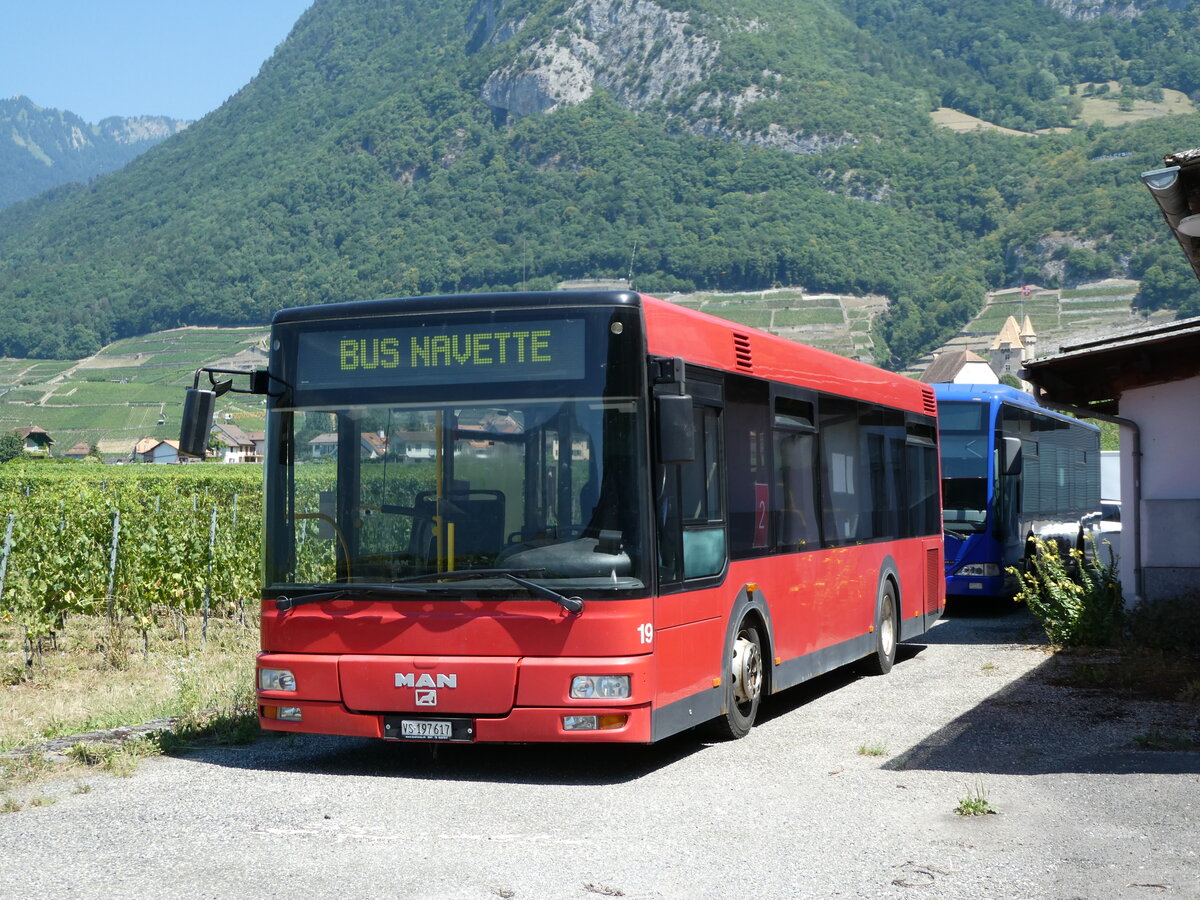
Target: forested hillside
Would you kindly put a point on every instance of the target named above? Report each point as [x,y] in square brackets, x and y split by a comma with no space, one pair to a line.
[394,147]
[43,148]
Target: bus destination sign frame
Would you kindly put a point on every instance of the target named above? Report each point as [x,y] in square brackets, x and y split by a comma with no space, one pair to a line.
[442,354]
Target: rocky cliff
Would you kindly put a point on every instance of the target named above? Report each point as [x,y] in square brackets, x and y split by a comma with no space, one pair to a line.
[642,53]
[42,148]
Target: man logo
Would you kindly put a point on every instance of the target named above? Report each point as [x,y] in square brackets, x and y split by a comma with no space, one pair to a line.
[426,698]
[425,680]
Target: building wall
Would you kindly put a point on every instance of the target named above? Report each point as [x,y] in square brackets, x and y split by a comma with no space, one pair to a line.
[976,373]
[1169,418]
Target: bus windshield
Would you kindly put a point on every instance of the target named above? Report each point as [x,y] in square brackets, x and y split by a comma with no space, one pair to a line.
[965,449]
[542,488]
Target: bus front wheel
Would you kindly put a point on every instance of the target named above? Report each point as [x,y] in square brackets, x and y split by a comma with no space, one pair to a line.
[744,680]
[881,660]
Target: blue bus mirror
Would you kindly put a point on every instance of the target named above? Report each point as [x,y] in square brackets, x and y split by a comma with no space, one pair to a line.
[676,429]
[198,408]
[1012,456]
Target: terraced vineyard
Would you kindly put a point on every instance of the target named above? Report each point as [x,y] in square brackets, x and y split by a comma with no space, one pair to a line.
[1060,317]
[130,390]
[840,324]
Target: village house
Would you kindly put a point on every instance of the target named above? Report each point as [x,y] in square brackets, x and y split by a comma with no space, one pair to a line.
[150,450]
[374,446]
[81,450]
[959,367]
[37,440]
[238,446]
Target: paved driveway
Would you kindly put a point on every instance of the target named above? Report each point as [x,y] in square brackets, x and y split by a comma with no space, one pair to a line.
[794,810]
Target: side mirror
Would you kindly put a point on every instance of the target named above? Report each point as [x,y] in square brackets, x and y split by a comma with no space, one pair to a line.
[1011,451]
[198,408]
[676,429]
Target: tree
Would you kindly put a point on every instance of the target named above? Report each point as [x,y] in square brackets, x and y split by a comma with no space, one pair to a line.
[11,447]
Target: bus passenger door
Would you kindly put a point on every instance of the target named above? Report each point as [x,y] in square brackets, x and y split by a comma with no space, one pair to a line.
[691,537]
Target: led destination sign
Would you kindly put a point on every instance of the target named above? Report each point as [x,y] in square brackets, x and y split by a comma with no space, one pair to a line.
[439,354]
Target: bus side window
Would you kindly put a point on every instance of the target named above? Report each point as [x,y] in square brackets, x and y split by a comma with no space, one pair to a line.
[844,488]
[703,507]
[797,524]
[923,514]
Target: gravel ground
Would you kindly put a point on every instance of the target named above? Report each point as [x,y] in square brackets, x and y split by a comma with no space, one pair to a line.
[793,810]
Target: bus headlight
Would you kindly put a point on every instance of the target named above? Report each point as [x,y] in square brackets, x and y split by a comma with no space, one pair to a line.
[276,680]
[979,570]
[608,687]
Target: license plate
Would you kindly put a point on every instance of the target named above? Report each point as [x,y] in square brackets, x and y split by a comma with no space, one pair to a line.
[399,729]
[422,730]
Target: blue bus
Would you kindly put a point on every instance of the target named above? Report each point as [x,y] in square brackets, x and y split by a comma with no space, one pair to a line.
[1011,469]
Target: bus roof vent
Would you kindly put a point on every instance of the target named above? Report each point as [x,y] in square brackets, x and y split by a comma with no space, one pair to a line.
[741,352]
[930,401]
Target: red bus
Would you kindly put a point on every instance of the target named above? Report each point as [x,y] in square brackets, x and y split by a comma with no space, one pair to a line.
[576,516]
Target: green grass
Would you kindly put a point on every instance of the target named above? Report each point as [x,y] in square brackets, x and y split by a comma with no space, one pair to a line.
[820,316]
[1117,305]
[755,318]
[1123,292]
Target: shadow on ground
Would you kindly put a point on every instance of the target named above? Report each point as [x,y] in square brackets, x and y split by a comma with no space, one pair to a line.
[1043,722]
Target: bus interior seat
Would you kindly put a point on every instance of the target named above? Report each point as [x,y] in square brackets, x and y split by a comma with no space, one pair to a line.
[477,515]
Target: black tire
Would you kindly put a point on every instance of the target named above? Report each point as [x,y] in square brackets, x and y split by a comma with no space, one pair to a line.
[887,631]
[745,678]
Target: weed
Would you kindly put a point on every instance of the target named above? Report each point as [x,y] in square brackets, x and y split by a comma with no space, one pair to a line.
[989,667]
[43,800]
[114,648]
[975,803]
[82,787]
[88,753]
[10,805]
[872,750]
[1076,598]
[24,768]
[115,759]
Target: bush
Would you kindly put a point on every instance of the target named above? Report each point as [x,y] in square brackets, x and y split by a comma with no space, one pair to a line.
[1077,599]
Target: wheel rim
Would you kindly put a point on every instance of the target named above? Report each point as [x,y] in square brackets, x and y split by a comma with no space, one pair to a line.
[887,626]
[747,669]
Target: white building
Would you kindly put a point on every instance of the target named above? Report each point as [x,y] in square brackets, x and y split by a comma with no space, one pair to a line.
[1149,380]
[959,367]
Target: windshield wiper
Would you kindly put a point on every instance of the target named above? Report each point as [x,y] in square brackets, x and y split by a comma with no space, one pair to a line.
[570,604]
[283,604]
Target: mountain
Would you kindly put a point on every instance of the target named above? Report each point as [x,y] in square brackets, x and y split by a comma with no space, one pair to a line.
[392,147]
[43,148]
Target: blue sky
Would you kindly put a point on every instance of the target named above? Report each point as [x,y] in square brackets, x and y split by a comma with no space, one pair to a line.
[99,58]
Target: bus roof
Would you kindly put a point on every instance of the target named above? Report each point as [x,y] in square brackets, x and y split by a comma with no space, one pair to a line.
[700,338]
[998,393]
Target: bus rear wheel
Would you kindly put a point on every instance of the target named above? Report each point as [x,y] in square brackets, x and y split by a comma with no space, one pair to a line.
[744,680]
[880,662]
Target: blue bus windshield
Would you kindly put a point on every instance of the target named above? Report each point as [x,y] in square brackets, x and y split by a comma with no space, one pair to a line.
[965,448]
